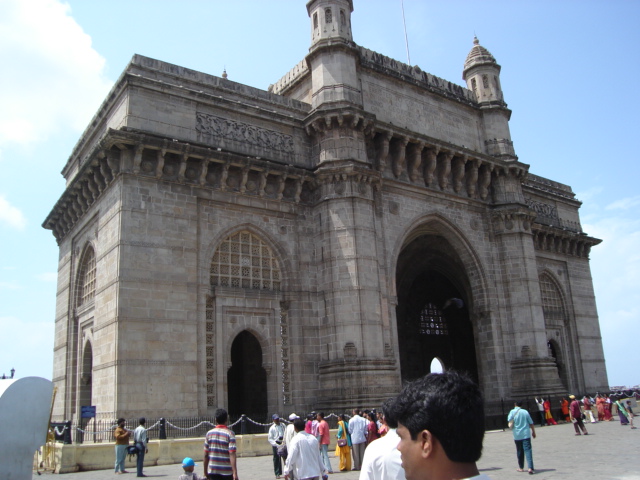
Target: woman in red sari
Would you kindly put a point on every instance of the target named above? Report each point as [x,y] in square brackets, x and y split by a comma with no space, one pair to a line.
[547,413]
[372,428]
[607,409]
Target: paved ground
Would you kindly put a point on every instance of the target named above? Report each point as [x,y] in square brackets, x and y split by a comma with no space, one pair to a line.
[609,452]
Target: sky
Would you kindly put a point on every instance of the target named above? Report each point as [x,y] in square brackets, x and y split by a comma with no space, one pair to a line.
[569,74]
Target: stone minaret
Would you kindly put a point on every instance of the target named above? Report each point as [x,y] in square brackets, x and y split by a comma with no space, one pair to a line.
[482,74]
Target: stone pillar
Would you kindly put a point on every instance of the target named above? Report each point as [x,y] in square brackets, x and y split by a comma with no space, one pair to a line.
[533,371]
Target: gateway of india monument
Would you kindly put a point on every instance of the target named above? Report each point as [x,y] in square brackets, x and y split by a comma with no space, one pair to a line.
[313,245]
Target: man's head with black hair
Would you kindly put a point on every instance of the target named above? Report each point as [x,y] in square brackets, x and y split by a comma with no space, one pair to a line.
[221,416]
[389,416]
[441,426]
[298,424]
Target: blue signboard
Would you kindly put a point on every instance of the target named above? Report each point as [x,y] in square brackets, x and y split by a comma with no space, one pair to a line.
[88,412]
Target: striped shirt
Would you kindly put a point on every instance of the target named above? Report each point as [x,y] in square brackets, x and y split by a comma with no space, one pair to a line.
[218,443]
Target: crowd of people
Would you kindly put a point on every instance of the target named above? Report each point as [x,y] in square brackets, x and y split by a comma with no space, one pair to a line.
[432,430]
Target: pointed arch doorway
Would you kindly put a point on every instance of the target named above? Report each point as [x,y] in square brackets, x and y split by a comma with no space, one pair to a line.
[247,379]
[434,327]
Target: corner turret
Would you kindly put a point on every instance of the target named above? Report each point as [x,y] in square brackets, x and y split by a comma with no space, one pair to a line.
[482,74]
[330,20]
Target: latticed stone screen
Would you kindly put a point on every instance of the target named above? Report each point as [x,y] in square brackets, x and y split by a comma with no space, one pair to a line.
[210,353]
[245,261]
[552,304]
[87,278]
[432,322]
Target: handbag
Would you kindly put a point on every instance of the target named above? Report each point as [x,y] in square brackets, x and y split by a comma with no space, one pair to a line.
[342,442]
[282,450]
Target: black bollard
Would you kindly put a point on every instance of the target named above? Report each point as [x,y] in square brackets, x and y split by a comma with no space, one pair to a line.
[243,424]
[67,433]
[163,429]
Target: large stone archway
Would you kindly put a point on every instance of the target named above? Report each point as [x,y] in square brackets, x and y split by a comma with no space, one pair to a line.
[433,311]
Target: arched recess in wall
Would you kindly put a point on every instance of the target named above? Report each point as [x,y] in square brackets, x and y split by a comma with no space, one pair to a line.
[439,287]
[84,299]
[559,332]
[242,260]
[86,282]
[85,388]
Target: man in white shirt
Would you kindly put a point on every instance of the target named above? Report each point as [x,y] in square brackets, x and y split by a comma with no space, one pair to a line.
[382,458]
[141,441]
[303,457]
[358,432]
[275,438]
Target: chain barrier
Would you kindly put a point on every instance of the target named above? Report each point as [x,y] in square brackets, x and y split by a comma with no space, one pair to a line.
[188,428]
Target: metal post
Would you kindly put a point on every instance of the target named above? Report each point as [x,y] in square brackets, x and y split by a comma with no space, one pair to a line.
[163,429]
[243,424]
[67,433]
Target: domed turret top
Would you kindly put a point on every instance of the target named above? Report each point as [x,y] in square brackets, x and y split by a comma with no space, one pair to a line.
[478,56]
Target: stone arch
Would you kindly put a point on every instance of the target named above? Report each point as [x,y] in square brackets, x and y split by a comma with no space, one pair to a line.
[441,289]
[283,256]
[559,329]
[436,224]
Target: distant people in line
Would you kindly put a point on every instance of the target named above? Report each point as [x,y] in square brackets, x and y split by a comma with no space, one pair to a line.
[358,432]
[121,435]
[382,458]
[304,457]
[523,430]
[586,401]
[343,449]
[275,439]
[141,441]
[372,428]
[325,439]
[540,404]
[576,416]
[564,405]
[220,450]
[441,427]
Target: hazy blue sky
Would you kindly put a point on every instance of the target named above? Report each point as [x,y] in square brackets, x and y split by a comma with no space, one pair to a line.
[569,72]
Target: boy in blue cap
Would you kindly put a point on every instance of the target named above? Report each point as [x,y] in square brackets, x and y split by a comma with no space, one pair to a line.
[188,465]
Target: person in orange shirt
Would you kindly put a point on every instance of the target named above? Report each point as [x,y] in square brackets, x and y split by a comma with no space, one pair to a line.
[325,439]
[121,435]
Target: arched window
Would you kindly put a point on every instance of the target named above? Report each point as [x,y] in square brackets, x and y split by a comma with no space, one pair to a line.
[328,16]
[552,304]
[244,261]
[87,278]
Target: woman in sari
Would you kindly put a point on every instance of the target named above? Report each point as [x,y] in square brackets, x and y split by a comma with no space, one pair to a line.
[344,452]
[625,417]
[607,409]
[600,407]
[372,428]
[564,404]
[547,413]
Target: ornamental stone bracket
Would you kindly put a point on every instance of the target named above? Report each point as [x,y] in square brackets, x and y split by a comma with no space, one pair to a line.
[563,241]
[352,182]
[131,153]
[512,219]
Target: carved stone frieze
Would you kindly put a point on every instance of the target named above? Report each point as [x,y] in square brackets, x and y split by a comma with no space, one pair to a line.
[563,241]
[211,127]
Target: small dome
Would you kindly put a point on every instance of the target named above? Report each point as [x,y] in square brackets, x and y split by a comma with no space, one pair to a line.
[478,55]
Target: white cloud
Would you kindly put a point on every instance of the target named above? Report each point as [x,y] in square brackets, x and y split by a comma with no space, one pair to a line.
[28,348]
[47,276]
[624,203]
[9,286]
[53,78]
[589,194]
[9,214]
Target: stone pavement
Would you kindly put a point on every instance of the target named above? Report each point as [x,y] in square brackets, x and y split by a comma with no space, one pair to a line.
[610,452]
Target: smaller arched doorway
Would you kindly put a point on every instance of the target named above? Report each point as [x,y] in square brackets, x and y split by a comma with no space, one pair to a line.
[247,379]
[86,376]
